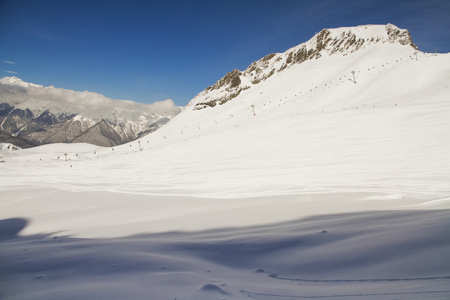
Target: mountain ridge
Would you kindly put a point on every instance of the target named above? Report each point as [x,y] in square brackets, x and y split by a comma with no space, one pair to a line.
[344,41]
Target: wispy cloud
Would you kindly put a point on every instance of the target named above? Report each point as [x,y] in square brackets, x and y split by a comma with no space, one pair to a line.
[12,72]
[8,62]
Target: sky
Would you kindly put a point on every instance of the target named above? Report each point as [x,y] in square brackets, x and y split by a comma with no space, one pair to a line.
[150,51]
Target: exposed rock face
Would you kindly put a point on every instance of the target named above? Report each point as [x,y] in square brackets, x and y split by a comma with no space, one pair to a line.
[101,133]
[340,41]
[401,36]
[61,132]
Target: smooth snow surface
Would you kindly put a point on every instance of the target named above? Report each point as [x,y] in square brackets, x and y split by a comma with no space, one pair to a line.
[332,188]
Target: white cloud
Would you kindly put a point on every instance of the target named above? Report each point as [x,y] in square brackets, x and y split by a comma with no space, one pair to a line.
[87,99]
[11,72]
[8,62]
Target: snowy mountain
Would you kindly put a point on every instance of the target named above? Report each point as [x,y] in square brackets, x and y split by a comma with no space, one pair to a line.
[320,172]
[32,115]
[341,41]
[374,101]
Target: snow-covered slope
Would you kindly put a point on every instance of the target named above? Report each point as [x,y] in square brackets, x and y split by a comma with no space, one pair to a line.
[328,179]
[328,42]
[314,127]
[43,115]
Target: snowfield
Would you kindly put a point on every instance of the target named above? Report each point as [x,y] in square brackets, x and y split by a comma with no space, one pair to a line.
[310,184]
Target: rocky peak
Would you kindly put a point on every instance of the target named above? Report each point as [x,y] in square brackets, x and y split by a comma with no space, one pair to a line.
[339,41]
[401,36]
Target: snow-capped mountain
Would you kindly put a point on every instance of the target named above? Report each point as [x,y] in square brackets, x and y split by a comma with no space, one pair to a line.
[32,115]
[352,101]
[340,41]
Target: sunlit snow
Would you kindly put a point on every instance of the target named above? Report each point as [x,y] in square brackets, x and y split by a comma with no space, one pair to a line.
[329,186]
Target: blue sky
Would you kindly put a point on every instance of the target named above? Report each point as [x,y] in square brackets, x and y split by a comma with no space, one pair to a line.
[149,51]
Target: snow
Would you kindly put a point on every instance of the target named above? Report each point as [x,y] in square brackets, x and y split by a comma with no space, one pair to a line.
[333,189]
[8,147]
[13,80]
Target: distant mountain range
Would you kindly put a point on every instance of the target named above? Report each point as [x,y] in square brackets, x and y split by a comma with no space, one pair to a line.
[32,115]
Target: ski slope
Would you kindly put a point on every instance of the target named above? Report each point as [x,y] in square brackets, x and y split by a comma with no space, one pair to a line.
[318,182]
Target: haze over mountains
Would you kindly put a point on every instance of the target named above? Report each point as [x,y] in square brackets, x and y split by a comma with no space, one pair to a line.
[32,115]
[320,172]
